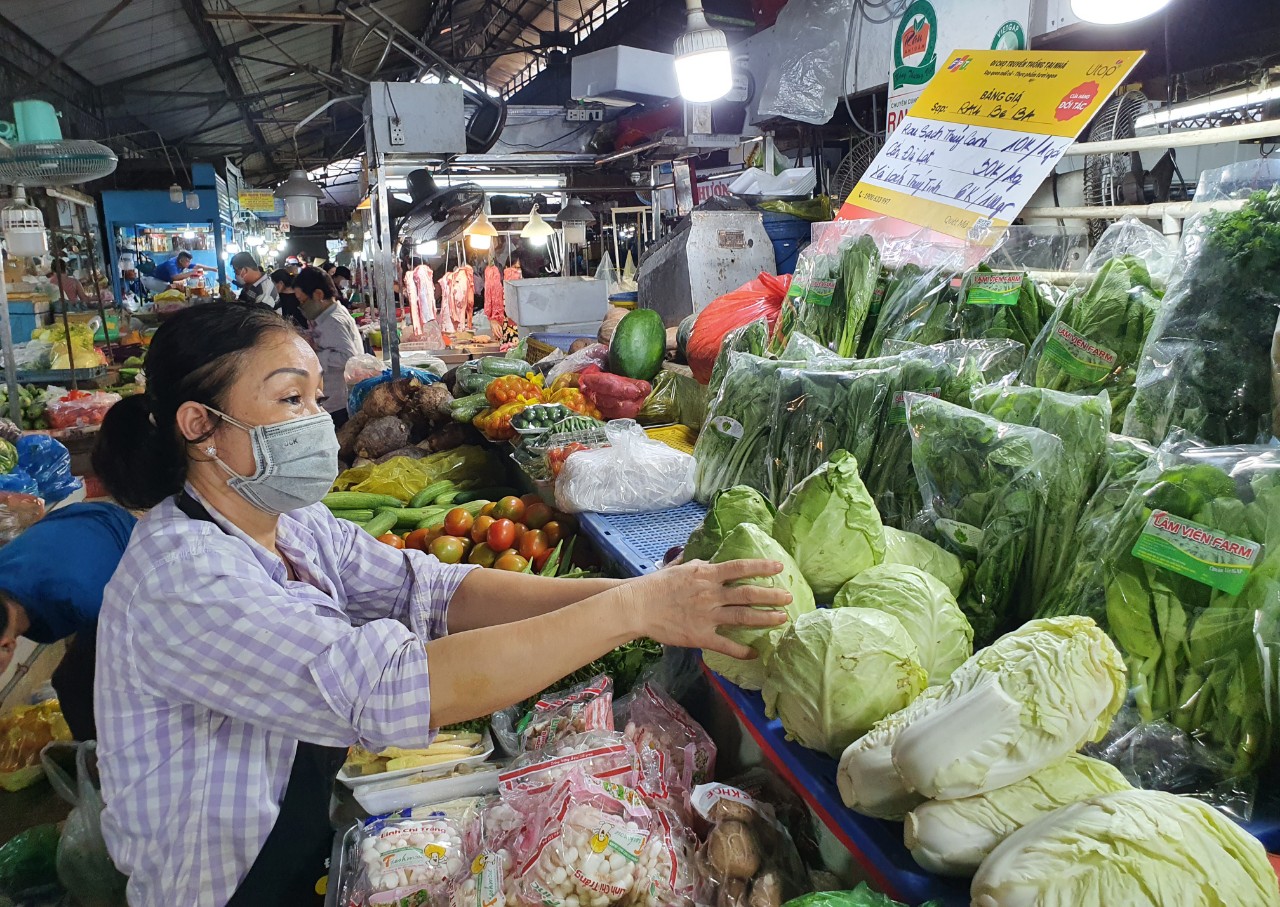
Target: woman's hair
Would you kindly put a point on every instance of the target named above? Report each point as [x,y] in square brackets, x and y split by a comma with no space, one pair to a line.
[342,271]
[194,357]
[310,279]
[280,275]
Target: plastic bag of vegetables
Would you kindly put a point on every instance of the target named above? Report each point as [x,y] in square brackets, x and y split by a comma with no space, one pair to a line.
[8,456]
[749,858]
[674,751]
[633,475]
[862,896]
[490,855]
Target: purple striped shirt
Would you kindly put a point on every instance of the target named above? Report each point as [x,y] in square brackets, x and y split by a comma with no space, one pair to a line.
[214,663]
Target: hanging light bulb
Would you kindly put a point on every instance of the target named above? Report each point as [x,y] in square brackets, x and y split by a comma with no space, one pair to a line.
[233,248]
[23,226]
[430,247]
[188,234]
[301,199]
[1116,12]
[193,201]
[253,239]
[704,69]
[175,194]
[536,230]
[481,233]
[282,247]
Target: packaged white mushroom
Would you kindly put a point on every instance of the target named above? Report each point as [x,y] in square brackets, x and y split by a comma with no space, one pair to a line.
[408,854]
[556,715]
[748,859]
[607,755]
[595,844]
[491,846]
[673,750]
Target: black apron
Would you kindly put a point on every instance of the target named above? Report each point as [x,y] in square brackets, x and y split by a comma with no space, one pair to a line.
[292,860]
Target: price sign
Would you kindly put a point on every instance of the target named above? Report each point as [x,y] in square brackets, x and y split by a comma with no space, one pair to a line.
[983,136]
[259,201]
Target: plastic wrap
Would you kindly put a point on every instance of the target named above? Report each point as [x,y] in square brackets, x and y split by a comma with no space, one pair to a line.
[357,394]
[415,854]
[833,288]
[633,475]
[402,477]
[661,407]
[1190,579]
[607,755]
[362,368]
[1001,305]
[748,858]
[804,83]
[84,866]
[597,354]
[862,896]
[759,298]
[675,753]
[752,338]
[490,848]
[24,732]
[918,295]
[1208,364]
[48,463]
[18,481]
[80,408]
[986,486]
[581,708]
[18,510]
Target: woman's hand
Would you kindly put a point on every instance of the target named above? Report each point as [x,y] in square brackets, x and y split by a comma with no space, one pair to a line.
[687,604]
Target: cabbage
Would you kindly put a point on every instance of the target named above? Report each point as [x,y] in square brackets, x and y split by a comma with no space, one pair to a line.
[917,551]
[729,507]
[1134,848]
[953,837]
[926,608]
[749,541]
[836,672]
[1022,703]
[830,526]
[867,780]
[8,456]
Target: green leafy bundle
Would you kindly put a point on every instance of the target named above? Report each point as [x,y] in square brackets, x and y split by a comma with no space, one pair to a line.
[916,308]
[1207,366]
[751,338]
[830,296]
[1022,320]
[1096,338]
[986,486]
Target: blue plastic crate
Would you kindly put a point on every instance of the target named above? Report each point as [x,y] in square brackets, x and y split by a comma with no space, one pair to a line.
[560,341]
[637,542]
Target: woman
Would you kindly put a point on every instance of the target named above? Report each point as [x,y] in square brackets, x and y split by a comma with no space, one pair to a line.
[333,334]
[71,289]
[255,636]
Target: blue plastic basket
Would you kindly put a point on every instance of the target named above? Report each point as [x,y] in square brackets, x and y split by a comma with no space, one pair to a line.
[560,341]
[637,542]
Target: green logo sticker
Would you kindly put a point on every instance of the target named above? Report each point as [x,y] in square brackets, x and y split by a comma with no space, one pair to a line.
[915,58]
[1010,36]
[898,412]
[1079,356]
[994,288]
[1197,551]
[814,291]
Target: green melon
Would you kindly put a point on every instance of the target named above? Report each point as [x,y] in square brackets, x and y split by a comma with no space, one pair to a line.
[683,333]
[638,345]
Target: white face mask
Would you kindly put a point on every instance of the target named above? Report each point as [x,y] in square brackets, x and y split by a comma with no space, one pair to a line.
[295,462]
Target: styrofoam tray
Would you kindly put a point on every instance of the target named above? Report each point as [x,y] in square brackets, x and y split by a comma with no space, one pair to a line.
[403,793]
[430,771]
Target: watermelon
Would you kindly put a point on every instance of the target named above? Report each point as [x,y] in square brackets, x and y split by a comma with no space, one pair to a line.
[683,333]
[638,346]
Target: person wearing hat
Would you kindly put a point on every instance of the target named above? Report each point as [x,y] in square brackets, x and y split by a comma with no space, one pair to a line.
[175,269]
[255,286]
[45,600]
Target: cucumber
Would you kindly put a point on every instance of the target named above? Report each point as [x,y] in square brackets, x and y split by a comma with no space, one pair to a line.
[498,367]
[639,344]
[431,492]
[360,500]
[354,516]
[483,494]
[381,524]
[407,518]
[464,409]
[447,498]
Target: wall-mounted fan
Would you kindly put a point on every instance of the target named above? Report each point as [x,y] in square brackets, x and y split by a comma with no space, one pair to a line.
[42,157]
[437,215]
[853,165]
[1114,179]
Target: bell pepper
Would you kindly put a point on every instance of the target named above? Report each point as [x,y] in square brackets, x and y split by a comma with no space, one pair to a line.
[512,389]
[568,379]
[573,399]
[615,396]
[495,424]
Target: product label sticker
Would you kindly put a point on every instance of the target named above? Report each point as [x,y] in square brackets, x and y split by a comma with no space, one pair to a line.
[730,428]
[995,288]
[814,291]
[898,412]
[964,536]
[613,835]
[877,297]
[404,858]
[1197,551]
[489,879]
[1079,356]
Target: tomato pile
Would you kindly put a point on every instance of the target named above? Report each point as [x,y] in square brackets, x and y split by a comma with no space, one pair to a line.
[516,534]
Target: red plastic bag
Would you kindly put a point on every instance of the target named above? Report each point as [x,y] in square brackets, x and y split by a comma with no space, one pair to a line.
[761,298]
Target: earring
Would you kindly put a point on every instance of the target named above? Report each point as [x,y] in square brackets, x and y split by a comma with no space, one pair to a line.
[211,450]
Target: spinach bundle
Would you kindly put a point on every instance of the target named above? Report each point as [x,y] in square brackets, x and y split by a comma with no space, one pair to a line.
[1000,305]
[830,296]
[1096,338]
[1207,365]
[986,486]
[751,337]
[916,308]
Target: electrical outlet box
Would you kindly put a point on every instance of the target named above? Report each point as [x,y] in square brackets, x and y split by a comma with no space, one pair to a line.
[584,115]
[396,130]
[432,118]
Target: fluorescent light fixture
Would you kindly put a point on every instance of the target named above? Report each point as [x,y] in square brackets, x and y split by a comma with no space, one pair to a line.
[175,194]
[1113,12]
[491,182]
[430,247]
[233,248]
[301,199]
[704,69]
[188,234]
[536,230]
[1193,110]
[193,201]
[253,239]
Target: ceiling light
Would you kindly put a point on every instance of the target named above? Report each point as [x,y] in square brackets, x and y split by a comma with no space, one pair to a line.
[233,248]
[23,227]
[1195,110]
[282,247]
[253,239]
[430,247]
[480,242]
[704,69]
[175,194]
[1108,12]
[301,199]
[188,234]
[481,227]
[193,201]
[536,230]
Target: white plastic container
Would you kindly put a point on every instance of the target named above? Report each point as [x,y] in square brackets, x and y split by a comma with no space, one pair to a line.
[552,302]
[429,771]
[417,790]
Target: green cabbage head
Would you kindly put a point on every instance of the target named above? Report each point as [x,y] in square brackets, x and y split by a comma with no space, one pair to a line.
[8,456]
[729,507]
[1015,707]
[953,837]
[917,551]
[746,542]
[926,608]
[836,672]
[1138,848]
[831,526]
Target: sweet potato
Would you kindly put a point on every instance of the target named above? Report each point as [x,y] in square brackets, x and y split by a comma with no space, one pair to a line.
[349,434]
[382,435]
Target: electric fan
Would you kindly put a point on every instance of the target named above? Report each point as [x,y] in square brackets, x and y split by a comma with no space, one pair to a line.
[440,215]
[1114,179]
[42,157]
[853,166]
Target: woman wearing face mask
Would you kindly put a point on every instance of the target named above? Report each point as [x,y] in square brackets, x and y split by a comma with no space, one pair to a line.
[333,334]
[253,636]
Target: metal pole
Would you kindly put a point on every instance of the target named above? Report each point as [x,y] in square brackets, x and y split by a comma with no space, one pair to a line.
[93,266]
[10,361]
[384,269]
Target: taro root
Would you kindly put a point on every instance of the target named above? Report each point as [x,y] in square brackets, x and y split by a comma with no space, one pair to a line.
[732,893]
[382,435]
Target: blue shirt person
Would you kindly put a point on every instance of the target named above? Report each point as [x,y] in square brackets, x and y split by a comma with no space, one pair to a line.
[176,268]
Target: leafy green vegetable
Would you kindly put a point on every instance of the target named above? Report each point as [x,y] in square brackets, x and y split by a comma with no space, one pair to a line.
[1130,847]
[1207,366]
[836,672]
[829,524]
[862,896]
[916,308]
[728,509]
[1020,321]
[830,295]
[953,837]
[28,860]
[748,541]
[925,607]
[1019,705]
[867,780]
[751,337]
[916,551]
[1096,338]
[8,456]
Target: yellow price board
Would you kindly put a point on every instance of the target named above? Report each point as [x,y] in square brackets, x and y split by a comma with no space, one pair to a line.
[259,201]
[986,132]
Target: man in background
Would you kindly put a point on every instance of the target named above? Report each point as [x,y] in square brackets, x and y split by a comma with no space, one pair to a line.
[254,285]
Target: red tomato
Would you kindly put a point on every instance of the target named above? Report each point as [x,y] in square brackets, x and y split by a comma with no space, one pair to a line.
[512,562]
[458,521]
[541,560]
[480,528]
[390,538]
[420,539]
[448,550]
[537,515]
[487,509]
[533,544]
[531,499]
[502,535]
[483,555]
[510,508]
